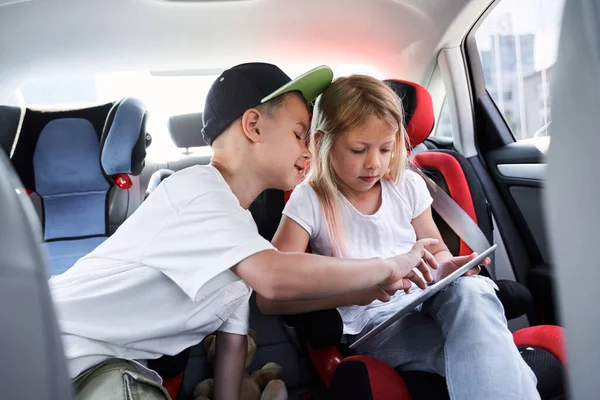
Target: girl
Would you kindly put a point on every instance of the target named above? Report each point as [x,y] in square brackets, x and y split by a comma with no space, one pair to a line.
[360,201]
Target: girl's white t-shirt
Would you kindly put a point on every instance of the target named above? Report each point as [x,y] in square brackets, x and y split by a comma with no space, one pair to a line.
[386,233]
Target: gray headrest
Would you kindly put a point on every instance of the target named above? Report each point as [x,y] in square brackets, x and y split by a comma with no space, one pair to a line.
[186,130]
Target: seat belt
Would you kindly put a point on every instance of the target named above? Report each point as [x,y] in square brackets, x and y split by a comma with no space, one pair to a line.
[457,218]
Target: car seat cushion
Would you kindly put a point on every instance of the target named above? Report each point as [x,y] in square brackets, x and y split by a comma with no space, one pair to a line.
[543,348]
[548,370]
[547,337]
[62,254]
[124,138]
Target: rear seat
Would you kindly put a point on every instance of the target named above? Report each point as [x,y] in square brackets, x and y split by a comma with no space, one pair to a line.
[275,342]
[75,166]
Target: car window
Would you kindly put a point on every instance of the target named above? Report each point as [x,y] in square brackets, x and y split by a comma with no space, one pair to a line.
[517,45]
[444,127]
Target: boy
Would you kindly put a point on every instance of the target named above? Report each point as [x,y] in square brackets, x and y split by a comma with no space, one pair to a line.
[179,268]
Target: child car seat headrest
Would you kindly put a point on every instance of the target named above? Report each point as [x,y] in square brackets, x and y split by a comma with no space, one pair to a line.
[418,109]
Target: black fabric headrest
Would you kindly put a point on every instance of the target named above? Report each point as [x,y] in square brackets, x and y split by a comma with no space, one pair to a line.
[9,123]
[186,130]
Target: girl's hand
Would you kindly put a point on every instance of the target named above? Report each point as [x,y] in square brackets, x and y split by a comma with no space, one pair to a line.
[402,267]
[455,263]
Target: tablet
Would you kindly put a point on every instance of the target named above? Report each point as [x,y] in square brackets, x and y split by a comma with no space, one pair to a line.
[426,294]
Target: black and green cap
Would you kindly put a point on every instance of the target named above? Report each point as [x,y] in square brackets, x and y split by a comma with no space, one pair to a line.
[248,85]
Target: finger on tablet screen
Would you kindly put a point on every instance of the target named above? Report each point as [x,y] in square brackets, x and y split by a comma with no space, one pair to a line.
[424,268]
[416,278]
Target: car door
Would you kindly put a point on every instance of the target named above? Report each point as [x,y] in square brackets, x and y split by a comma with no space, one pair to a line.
[510,54]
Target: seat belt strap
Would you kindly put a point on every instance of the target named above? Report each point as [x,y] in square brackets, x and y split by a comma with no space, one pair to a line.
[457,218]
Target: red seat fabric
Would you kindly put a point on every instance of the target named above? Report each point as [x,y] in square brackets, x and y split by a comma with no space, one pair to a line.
[172,385]
[547,337]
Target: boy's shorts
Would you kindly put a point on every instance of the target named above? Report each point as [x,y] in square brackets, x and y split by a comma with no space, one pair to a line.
[117,379]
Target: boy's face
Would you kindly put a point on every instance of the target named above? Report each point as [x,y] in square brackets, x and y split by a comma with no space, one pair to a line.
[282,149]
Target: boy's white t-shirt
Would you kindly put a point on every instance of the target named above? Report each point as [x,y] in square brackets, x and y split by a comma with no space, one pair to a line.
[386,233]
[162,281]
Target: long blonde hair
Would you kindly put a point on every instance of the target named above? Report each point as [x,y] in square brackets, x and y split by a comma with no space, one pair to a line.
[347,103]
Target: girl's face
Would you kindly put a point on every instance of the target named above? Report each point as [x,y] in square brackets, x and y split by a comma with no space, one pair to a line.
[361,156]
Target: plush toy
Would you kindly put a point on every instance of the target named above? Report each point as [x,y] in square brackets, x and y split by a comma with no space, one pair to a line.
[263,384]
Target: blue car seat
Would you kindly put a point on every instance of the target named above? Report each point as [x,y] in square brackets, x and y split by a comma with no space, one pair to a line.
[70,162]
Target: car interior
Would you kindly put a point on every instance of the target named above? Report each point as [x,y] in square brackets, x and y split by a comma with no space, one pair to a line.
[100,102]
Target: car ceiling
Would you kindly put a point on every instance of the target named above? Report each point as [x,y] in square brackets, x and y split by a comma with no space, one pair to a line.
[400,37]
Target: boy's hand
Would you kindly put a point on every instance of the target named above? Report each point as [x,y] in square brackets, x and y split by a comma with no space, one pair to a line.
[455,263]
[367,296]
[402,268]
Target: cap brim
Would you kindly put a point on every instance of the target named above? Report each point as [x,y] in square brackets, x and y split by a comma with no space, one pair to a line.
[311,84]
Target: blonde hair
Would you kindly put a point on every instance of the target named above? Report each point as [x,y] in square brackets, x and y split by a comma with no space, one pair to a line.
[347,103]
